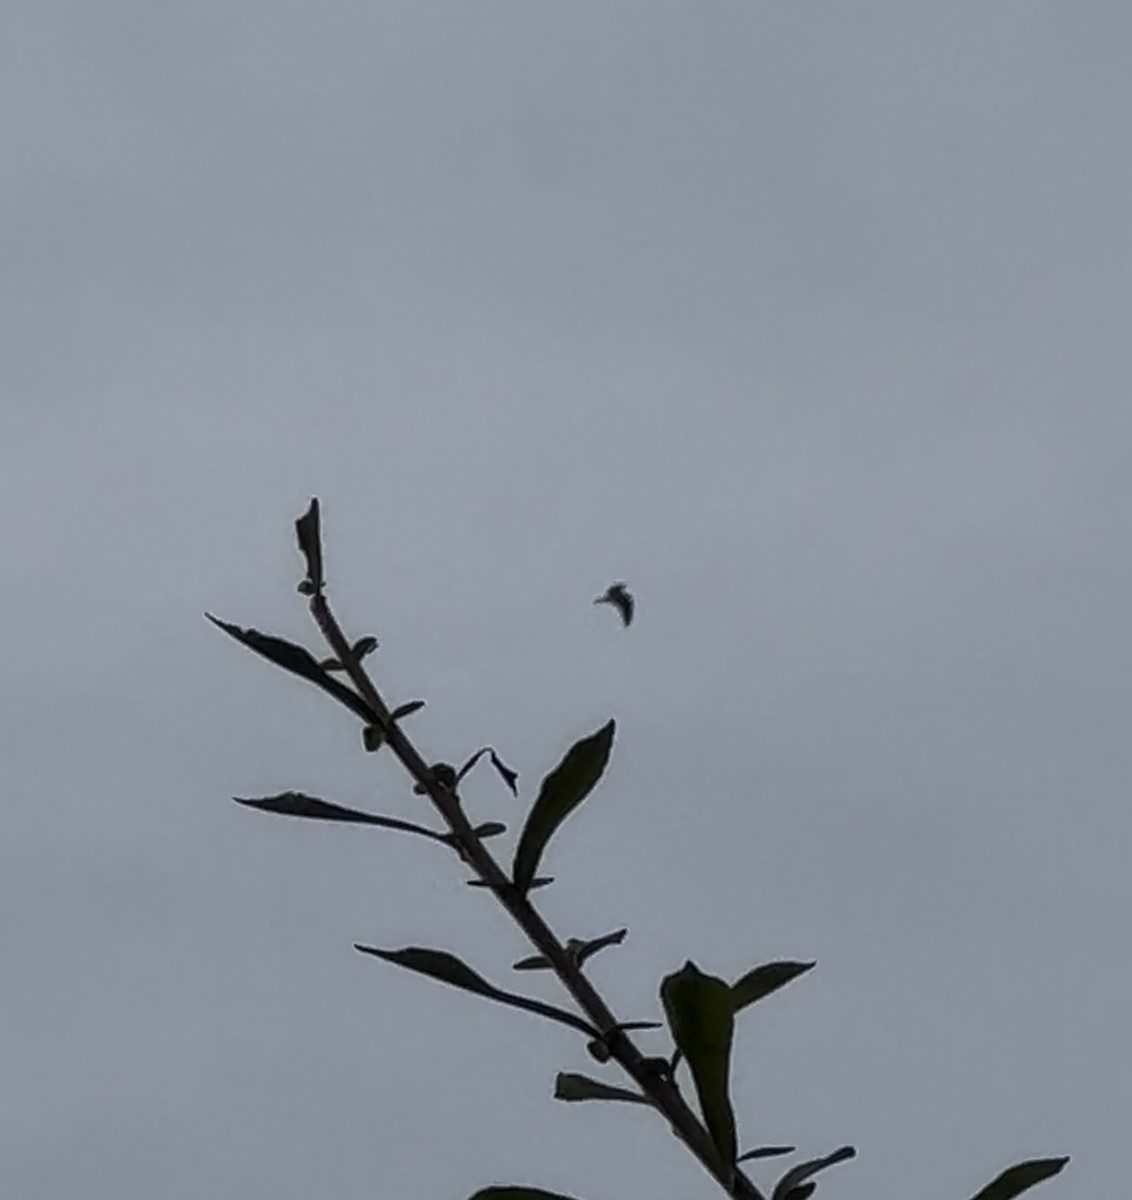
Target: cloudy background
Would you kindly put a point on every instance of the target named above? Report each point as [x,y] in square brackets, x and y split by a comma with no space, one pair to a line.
[810,320]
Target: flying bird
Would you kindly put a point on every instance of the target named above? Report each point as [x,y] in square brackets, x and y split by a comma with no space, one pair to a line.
[621,598]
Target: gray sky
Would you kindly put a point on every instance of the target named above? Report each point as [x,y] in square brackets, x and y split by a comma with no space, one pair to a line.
[810,321]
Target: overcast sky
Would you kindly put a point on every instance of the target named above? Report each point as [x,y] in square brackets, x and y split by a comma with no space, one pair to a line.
[810,321]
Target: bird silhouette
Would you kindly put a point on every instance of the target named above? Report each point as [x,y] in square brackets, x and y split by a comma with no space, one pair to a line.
[621,598]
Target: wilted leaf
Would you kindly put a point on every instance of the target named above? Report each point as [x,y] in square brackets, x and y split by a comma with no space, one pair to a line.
[701,1015]
[296,804]
[569,1086]
[517,1193]
[505,773]
[404,710]
[509,777]
[761,981]
[1017,1179]
[561,792]
[766,1152]
[794,1180]
[296,659]
[621,598]
[439,964]
[310,544]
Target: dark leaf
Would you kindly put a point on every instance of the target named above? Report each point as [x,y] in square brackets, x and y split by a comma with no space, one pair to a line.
[310,544]
[561,792]
[331,664]
[539,881]
[802,1192]
[569,1086]
[598,1050]
[701,1015]
[535,962]
[791,1183]
[1017,1179]
[763,980]
[373,738]
[586,950]
[296,804]
[517,1193]
[404,710]
[296,659]
[578,949]
[438,964]
[444,774]
[490,829]
[621,598]
[766,1152]
[509,777]
[505,773]
[363,646]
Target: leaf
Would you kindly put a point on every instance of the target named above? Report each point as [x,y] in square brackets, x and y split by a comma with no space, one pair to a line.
[539,881]
[517,1193]
[621,598]
[1017,1179]
[296,659]
[487,830]
[569,1086]
[766,1152]
[802,1192]
[509,777]
[761,981]
[701,1015]
[297,804]
[373,738]
[561,792]
[578,949]
[404,710]
[794,1180]
[310,545]
[363,647]
[505,773]
[439,964]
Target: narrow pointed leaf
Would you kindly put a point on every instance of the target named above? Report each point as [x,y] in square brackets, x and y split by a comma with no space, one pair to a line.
[1017,1179]
[701,1015]
[310,545]
[439,964]
[488,829]
[296,659]
[795,1179]
[588,949]
[296,804]
[766,1152]
[539,881]
[761,981]
[570,1086]
[561,792]
[518,1193]
[577,948]
[404,710]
